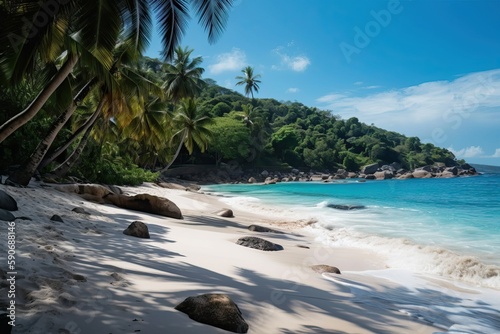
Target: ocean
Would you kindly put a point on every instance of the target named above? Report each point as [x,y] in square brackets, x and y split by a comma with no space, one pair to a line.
[442,228]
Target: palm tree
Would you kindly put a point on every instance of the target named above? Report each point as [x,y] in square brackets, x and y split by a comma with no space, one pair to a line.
[91,27]
[193,129]
[183,78]
[250,80]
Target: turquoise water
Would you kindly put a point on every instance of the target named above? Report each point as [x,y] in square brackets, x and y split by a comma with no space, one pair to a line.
[448,227]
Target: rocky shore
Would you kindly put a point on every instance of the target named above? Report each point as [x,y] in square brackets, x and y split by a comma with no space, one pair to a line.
[227,174]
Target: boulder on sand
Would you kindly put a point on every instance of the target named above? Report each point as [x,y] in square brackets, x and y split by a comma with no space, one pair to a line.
[228,213]
[258,243]
[146,203]
[7,202]
[258,228]
[141,202]
[6,215]
[137,229]
[216,310]
[323,268]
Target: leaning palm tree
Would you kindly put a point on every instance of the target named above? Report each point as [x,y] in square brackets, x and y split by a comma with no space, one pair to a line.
[193,129]
[93,26]
[250,80]
[183,75]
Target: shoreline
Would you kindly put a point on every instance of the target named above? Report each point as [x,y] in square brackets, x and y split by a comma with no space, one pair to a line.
[127,279]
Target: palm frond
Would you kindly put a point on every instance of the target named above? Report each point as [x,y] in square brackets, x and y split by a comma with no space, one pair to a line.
[172,17]
[100,23]
[213,16]
[138,23]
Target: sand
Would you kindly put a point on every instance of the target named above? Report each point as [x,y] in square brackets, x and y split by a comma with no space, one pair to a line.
[84,275]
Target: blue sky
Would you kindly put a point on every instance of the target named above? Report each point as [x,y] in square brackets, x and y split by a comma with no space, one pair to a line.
[422,68]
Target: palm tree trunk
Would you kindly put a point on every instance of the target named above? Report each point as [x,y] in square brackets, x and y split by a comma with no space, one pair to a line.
[176,153]
[52,156]
[24,174]
[27,114]
[63,168]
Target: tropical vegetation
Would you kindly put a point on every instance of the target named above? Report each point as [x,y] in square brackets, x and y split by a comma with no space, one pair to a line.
[79,98]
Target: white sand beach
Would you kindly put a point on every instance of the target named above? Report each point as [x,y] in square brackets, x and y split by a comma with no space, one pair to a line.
[84,275]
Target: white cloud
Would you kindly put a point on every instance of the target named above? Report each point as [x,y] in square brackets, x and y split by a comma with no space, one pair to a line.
[468,152]
[295,63]
[293,90]
[496,154]
[371,87]
[230,61]
[445,106]
[358,83]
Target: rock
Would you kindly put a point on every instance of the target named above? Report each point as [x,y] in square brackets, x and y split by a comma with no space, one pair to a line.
[453,170]
[295,171]
[79,278]
[265,173]
[216,310]
[137,229]
[341,174]
[369,169]
[258,243]
[325,176]
[406,176]
[228,213]
[421,174]
[388,168]
[90,192]
[447,174]
[252,180]
[352,175]
[395,166]
[7,202]
[146,203]
[384,175]
[6,215]
[258,228]
[323,268]
[81,210]
[370,177]
[425,168]
[114,189]
[303,246]
[57,218]
[345,207]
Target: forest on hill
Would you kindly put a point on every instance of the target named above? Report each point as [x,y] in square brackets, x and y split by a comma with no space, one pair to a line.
[143,121]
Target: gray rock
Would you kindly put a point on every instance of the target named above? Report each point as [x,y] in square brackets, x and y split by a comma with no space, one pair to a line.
[384,175]
[369,169]
[265,173]
[252,180]
[57,218]
[453,170]
[258,228]
[323,268]
[216,310]
[258,243]
[6,216]
[345,207]
[370,177]
[228,213]
[137,229]
[80,210]
[7,202]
